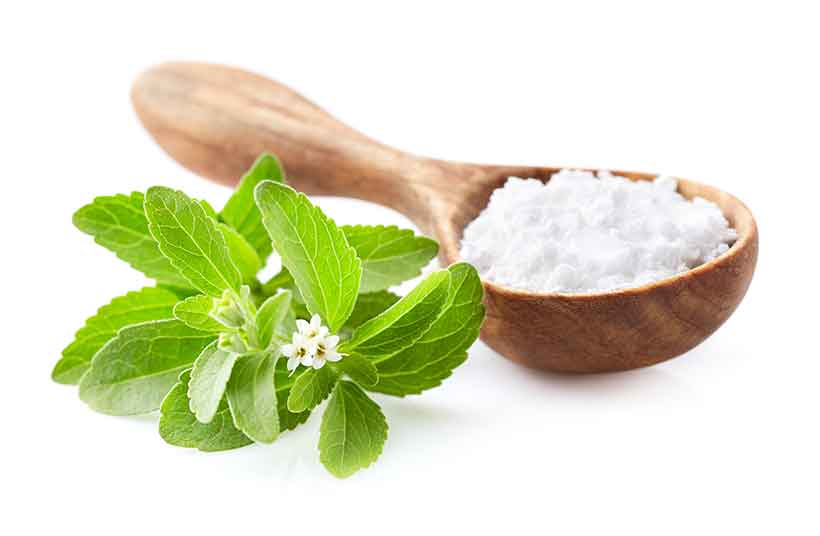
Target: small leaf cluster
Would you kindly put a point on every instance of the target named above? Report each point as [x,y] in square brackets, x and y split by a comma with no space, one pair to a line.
[203,346]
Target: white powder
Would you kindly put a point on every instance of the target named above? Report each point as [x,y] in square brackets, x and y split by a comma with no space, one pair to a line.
[579,233]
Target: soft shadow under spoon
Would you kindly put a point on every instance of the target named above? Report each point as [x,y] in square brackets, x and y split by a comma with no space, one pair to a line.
[215,120]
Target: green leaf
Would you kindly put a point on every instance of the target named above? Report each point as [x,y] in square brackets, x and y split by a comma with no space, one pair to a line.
[132,308]
[389,255]
[252,396]
[244,257]
[181,293]
[403,323]
[284,381]
[240,211]
[370,305]
[282,279]
[315,252]
[353,431]
[310,388]
[134,371]
[196,313]
[118,224]
[299,309]
[209,210]
[285,329]
[444,346]
[270,315]
[179,427]
[360,369]
[191,240]
[209,376]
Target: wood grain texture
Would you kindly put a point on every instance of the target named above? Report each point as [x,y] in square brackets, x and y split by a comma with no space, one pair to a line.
[215,120]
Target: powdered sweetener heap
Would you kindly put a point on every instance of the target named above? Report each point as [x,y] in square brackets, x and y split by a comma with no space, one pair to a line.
[578,233]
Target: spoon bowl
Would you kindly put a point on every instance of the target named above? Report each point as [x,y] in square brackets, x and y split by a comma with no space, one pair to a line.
[216,120]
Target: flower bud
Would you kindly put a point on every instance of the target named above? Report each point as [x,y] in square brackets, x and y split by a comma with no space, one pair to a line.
[233,342]
[228,310]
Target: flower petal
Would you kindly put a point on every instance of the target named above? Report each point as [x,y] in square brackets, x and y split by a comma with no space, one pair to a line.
[333,355]
[308,360]
[331,342]
[293,362]
[288,350]
[311,346]
[318,362]
[316,322]
[302,326]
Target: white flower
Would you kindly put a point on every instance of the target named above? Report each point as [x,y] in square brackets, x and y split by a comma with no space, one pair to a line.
[311,345]
[313,329]
[326,351]
[301,351]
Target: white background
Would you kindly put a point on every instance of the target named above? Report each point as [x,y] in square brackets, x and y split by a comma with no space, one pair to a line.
[719,441]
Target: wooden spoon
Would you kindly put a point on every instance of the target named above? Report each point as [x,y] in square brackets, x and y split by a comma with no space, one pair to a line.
[215,120]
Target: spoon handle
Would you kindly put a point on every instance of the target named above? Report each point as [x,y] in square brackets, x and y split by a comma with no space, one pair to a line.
[216,120]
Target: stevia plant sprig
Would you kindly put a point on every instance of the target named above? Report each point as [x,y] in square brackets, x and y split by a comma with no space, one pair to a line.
[229,360]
